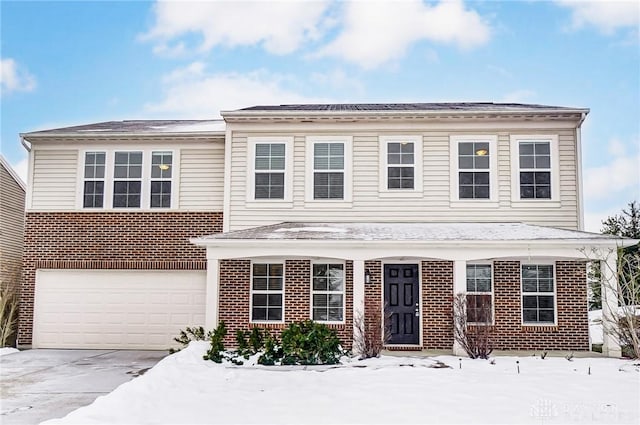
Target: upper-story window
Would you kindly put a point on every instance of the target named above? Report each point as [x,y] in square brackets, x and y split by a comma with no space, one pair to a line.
[535,167]
[161,172]
[474,168]
[401,164]
[270,168]
[128,179]
[473,162]
[94,168]
[328,170]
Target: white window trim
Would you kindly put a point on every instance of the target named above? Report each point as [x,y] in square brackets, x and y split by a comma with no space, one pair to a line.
[492,292]
[83,179]
[145,201]
[418,171]
[344,293]
[555,293]
[310,141]
[162,179]
[515,140]
[288,171]
[454,178]
[251,291]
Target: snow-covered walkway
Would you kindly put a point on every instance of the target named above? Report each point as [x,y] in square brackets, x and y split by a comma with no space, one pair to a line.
[184,389]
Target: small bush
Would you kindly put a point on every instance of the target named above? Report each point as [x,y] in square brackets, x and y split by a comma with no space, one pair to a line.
[216,351]
[309,343]
[272,351]
[188,335]
[8,315]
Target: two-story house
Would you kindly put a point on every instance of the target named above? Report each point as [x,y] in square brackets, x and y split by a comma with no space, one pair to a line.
[136,229]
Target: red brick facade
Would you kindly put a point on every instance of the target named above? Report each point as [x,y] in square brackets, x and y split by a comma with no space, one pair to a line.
[235,290]
[437,304]
[572,330]
[109,240]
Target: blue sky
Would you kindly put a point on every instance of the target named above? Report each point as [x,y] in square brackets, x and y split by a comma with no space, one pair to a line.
[66,63]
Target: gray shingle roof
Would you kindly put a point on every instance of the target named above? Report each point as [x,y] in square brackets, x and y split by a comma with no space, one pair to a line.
[437,232]
[138,127]
[375,107]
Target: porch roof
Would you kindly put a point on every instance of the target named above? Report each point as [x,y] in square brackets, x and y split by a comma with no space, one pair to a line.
[399,232]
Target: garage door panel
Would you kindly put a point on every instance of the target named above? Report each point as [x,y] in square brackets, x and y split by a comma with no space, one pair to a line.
[116,309]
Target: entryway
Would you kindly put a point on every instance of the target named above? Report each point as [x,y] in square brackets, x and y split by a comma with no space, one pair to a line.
[402,303]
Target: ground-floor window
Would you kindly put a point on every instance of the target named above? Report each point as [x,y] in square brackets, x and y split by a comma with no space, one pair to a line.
[328,292]
[479,293]
[267,283]
[538,294]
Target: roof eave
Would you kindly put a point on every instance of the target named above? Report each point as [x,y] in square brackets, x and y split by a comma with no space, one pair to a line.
[608,242]
[274,113]
[101,135]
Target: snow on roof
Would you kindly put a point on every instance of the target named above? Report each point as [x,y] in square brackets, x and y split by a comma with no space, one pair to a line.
[138,127]
[408,232]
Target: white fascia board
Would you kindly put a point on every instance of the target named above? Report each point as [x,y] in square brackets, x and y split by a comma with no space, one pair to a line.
[451,250]
[69,137]
[324,113]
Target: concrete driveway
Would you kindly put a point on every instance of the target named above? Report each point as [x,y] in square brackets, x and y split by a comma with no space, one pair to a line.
[37,385]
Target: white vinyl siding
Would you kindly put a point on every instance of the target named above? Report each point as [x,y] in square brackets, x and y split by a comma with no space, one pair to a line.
[433,203]
[54,182]
[12,198]
[202,178]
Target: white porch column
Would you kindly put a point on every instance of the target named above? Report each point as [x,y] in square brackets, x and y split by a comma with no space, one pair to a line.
[459,286]
[611,345]
[358,293]
[212,291]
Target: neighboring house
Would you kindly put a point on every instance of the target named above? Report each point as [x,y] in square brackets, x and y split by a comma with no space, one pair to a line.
[136,229]
[12,194]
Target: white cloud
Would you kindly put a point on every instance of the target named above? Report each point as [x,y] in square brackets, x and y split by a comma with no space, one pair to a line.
[191,92]
[378,32]
[518,96]
[281,27]
[338,79]
[606,15]
[21,168]
[14,77]
[621,175]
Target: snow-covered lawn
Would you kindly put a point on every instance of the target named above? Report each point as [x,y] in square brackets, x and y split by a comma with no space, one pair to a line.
[7,350]
[184,389]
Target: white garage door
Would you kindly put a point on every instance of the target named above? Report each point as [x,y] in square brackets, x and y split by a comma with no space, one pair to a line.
[133,309]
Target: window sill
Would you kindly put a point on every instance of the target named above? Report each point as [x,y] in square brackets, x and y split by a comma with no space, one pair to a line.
[479,203]
[268,204]
[540,327]
[400,194]
[328,203]
[535,203]
[268,324]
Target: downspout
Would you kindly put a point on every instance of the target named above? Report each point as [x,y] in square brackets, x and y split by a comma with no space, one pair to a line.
[579,168]
[29,196]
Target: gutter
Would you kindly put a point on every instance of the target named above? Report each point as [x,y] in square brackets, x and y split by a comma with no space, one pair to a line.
[106,135]
[271,113]
[25,144]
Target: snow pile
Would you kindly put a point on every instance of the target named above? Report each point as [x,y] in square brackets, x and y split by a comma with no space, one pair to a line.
[7,350]
[183,389]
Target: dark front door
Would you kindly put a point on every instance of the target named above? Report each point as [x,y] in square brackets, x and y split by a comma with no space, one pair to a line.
[401,300]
